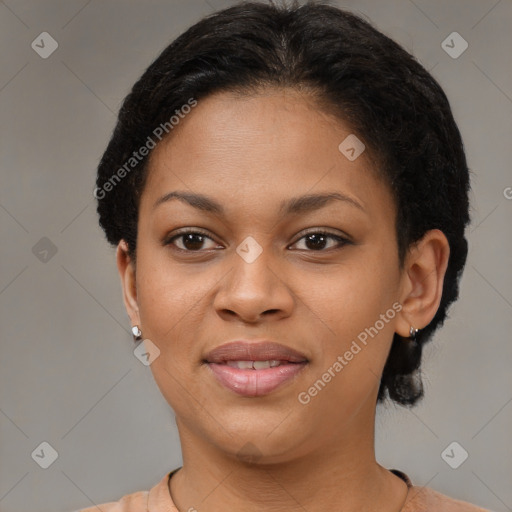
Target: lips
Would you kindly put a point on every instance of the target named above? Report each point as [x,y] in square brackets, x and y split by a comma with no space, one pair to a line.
[251,351]
[254,369]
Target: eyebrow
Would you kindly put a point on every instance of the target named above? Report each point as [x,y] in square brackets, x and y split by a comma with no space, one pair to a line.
[300,204]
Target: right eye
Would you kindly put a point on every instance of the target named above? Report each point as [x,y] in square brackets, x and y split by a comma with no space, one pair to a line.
[190,241]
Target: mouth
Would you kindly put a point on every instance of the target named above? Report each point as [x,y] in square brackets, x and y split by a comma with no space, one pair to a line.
[254,369]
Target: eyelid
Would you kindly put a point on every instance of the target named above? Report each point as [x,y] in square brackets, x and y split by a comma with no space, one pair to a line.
[341,239]
[201,231]
[186,231]
[168,239]
[324,231]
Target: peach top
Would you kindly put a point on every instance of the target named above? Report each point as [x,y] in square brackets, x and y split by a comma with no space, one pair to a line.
[158,499]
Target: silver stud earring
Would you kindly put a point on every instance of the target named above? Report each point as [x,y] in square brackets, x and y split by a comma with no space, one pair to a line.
[137,333]
[412,333]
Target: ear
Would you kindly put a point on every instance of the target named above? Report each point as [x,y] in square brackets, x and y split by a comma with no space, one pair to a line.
[126,269]
[422,282]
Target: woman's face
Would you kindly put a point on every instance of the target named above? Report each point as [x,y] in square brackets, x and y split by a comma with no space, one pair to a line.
[256,157]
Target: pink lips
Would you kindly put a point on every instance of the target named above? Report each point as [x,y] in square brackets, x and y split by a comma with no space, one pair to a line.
[250,382]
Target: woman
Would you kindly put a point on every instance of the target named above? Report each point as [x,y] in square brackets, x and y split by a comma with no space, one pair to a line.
[288,193]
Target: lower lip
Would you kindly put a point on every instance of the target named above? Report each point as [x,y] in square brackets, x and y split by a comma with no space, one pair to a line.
[254,382]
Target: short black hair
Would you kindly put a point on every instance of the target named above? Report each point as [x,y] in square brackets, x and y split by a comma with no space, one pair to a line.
[352,70]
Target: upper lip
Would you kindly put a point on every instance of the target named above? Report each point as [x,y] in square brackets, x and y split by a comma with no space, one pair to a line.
[254,351]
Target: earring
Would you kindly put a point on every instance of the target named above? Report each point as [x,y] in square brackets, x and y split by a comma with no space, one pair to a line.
[137,333]
[412,333]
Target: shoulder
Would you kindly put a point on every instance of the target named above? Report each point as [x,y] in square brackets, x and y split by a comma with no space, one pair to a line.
[130,503]
[157,498]
[424,499]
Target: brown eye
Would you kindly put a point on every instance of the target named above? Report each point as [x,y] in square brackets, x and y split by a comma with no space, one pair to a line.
[318,241]
[190,241]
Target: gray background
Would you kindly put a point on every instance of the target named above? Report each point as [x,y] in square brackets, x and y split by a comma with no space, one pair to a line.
[68,375]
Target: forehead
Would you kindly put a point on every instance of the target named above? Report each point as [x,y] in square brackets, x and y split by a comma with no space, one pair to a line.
[263,146]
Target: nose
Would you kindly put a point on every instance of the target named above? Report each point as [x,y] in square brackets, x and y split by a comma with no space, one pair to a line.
[254,291]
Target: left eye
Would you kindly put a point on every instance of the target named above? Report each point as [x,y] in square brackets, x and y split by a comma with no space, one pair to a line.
[317,241]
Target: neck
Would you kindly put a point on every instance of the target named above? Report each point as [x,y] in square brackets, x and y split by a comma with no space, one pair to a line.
[333,472]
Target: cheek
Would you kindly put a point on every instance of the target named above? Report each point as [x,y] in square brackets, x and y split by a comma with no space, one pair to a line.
[170,302]
[350,298]
[171,307]
[357,305]
[161,295]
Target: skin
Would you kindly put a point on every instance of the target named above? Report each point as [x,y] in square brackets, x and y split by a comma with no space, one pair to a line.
[249,154]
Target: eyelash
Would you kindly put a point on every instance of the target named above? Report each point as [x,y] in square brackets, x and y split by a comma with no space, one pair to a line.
[342,241]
